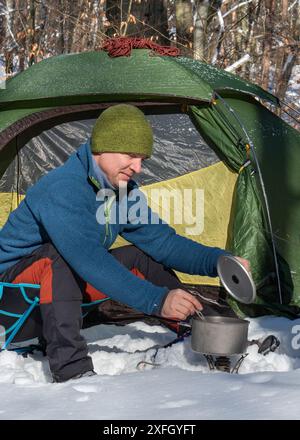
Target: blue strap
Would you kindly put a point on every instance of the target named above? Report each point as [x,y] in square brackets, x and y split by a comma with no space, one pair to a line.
[13,315]
[98,301]
[92,304]
[13,330]
[10,329]
[20,286]
[23,286]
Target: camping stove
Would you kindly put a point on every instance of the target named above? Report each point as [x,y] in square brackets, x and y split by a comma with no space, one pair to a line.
[223,363]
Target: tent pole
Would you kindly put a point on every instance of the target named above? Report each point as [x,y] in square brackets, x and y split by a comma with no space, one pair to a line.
[263,190]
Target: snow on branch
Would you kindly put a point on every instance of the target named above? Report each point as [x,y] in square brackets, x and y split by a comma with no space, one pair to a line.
[238,63]
[236,7]
[295,2]
[220,34]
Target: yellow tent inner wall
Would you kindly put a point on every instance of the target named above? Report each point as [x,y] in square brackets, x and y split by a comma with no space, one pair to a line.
[8,202]
[215,185]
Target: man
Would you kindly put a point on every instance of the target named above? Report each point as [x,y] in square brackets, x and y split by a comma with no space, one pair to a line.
[58,238]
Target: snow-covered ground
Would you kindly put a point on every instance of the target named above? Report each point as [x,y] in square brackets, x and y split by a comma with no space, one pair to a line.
[182,388]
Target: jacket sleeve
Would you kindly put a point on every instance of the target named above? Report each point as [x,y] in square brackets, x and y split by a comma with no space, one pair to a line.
[161,242]
[71,225]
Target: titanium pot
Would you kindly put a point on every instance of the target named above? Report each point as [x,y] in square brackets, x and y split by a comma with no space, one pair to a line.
[219,335]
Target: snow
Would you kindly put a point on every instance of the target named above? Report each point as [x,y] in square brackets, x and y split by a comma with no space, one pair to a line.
[294,83]
[182,388]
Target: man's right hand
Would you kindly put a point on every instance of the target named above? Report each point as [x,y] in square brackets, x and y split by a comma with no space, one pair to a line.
[180,304]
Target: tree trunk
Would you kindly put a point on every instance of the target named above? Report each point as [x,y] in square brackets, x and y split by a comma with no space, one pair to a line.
[9,40]
[95,34]
[114,18]
[141,19]
[63,8]
[41,18]
[284,10]
[268,41]
[31,34]
[77,29]
[289,61]
[290,50]
[200,33]
[102,24]
[219,39]
[158,20]
[184,27]
[250,44]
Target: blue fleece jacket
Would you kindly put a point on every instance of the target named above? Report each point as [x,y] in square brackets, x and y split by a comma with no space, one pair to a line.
[62,208]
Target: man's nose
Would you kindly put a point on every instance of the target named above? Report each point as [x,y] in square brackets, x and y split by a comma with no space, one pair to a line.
[136,165]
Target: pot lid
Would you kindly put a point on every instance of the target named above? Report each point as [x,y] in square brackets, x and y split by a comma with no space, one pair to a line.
[236,279]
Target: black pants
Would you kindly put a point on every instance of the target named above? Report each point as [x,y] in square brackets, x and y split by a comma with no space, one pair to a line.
[59,317]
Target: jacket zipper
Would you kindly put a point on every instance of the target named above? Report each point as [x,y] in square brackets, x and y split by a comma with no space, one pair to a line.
[106,215]
[107,207]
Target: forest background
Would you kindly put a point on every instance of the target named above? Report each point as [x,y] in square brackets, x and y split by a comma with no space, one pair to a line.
[257,40]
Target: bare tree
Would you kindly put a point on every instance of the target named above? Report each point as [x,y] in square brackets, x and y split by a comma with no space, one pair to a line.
[79,22]
[157,19]
[200,33]
[205,13]
[268,41]
[10,44]
[184,26]
[289,51]
[143,19]
[31,33]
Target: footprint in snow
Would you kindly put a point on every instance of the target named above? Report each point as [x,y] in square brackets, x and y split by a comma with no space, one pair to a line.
[268,393]
[83,398]
[85,388]
[260,378]
[232,388]
[178,404]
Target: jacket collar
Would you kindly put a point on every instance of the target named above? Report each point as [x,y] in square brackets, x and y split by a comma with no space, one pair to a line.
[85,156]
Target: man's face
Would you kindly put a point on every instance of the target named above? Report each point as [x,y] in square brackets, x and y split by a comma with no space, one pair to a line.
[119,167]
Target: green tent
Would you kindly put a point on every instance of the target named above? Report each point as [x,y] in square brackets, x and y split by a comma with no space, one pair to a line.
[212,131]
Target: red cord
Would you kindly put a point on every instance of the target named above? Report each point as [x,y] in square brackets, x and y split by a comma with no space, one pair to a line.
[122,46]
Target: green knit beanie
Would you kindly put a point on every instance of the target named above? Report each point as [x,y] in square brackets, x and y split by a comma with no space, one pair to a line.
[122,128]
